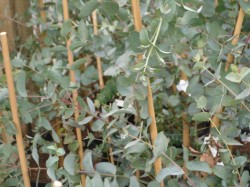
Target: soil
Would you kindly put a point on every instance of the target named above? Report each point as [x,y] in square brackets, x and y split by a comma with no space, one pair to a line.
[43,177]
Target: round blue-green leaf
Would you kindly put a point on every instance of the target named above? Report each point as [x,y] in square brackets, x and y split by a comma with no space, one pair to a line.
[199,166]
[106,167]
[69,162]
[170,170]
[201,116]
[88,8]
[21,83]
[110,7]
[134,182]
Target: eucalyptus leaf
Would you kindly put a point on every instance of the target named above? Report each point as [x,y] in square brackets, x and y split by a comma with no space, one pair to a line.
[91,105]
[98,125]
[144,39]
[87,162]
[66,28]
[97,180]
[3,94]
[88,8]
[21,83]
[168,9]
[245,93]
[202,102]
[51,173]
[106,167]
[85,120]
[199,166]
[134,182]
[35,155]
[233,77]
[245,178]
[51,161]
[69,162]
[161,144]
[245,5]
[110,7]
[45,123]
[170,170]
[201,116]
[55,136]
[18,62]
[68,113]
[78,63]
[222,172]
[83,31]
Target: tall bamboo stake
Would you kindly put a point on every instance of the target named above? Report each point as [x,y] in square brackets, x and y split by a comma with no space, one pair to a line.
[152,127]
[42,11]
[138,27]
[100,75]
[230,58]
[216,3]
[14,109]
[186,131]
[75,94]
[237,30]
[98,59]
[137,20]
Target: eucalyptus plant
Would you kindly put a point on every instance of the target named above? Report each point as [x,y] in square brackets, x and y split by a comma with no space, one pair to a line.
[193,37]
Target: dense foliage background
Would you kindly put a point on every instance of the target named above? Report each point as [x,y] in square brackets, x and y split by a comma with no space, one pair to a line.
[185,47]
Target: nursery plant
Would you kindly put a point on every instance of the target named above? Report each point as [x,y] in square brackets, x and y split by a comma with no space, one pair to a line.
[117,93]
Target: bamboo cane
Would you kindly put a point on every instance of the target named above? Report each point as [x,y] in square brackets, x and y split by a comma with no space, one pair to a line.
[216,3]
[42,11]
[98,59]
[237,30]
[14,109]
[100,75]
[186,131]
[230,58]
[75,94]
[153,126]
[153,129]
[137,20]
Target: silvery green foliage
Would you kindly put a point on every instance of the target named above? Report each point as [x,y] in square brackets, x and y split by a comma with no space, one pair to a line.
[191,36]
